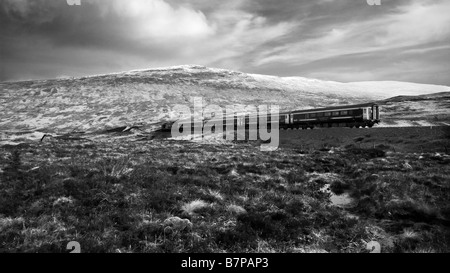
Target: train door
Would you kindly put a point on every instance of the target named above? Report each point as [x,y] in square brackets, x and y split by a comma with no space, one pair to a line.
[241,121]
[286,119]
[366,113]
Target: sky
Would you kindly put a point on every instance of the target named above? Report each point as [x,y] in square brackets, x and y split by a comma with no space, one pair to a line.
[339,40]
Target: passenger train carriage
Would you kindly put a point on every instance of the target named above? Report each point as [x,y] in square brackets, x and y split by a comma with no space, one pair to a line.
[359,115]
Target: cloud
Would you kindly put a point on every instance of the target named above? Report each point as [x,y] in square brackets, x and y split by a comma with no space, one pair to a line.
[240,34]
[348,50]
[156,19]
[417,23]
[409,25]
[128,35]
[335,40]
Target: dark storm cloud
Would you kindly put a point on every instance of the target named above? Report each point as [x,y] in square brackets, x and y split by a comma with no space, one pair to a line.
[344,40]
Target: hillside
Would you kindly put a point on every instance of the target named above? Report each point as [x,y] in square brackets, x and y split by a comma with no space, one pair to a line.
[144,97]
[421,110]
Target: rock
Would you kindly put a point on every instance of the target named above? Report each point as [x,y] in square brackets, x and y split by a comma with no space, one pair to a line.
[235,209]
[63,200]
[407,166]
[178,223]
[372,177]
[233,172]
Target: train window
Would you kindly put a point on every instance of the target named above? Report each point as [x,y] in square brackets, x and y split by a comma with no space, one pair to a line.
[319,115]
[327,114]
[302,116]
[350,112]
[344,113]
[336,113]
[313,115]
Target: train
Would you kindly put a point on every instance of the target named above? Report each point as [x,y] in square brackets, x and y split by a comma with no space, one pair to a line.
[353,116]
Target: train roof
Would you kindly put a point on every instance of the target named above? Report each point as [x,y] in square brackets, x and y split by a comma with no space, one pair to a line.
[335,107]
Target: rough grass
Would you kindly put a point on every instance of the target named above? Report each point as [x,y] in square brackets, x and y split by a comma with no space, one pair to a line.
[168,196]
[406,139]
